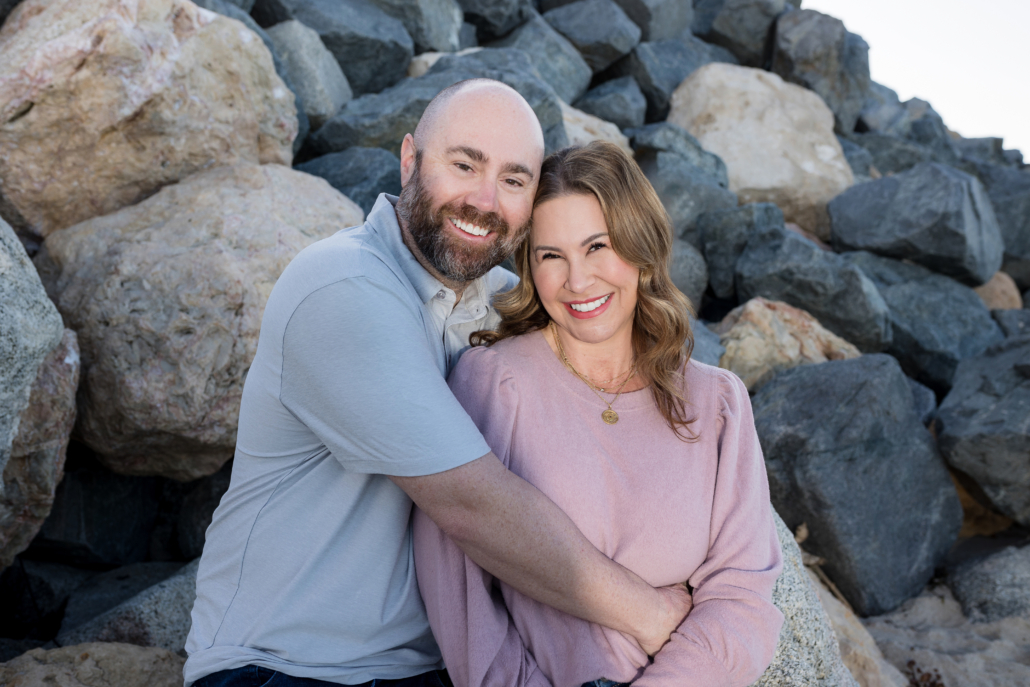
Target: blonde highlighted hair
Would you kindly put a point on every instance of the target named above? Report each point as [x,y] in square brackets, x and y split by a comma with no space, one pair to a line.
[640,234]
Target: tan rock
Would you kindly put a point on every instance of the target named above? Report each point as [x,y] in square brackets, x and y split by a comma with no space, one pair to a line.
[423,62]
[94,665]
[167,298]
[857,647]
[582,128]
[36,465]
[978,518]
[103,102]
[764,337]
[776,139]
[1000,293]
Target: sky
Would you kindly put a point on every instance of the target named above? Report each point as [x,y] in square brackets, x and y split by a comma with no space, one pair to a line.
[969,58]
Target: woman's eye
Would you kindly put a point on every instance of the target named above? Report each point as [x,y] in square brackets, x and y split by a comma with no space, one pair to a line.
[548,256]
[595,246]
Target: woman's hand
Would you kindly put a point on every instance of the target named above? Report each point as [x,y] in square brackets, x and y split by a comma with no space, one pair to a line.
[674,603]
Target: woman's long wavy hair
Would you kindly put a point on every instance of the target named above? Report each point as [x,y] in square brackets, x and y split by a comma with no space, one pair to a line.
[640,234]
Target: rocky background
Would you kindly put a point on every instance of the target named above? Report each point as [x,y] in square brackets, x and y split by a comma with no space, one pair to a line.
[858,264]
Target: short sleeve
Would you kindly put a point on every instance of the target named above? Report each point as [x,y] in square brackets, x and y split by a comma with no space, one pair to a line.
[359,372]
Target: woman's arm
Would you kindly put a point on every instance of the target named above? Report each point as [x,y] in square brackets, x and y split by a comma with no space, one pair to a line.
[731,633]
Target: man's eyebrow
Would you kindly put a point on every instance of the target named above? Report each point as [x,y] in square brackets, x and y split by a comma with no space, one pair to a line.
[471,153]
[516,168]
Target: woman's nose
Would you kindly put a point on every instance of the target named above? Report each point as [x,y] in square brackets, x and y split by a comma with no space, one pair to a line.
[580,278]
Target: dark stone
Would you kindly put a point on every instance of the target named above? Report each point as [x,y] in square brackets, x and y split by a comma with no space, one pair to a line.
[245,5]
[198,508]
[686,191]
[666,137]
[1009,191]
[164,541]
[996,587]
[932,214]
[688,271]
[781,265]
[495,18]
[618,101]
[848,456]
[892,155]
[107,590]
[725,233]
[924,400]
[13,648]
[989,149]
[553,56]
[373,48]
[598,29]
[361,174]
[313,71]
[5,8]
[741,26]
[467,36]
[1013,322]
[33,595]
[859,159]
[927,129]
[432,24]
[659,19]
[659,67]
[883,113]
[982,425]
[937,322]
[815,51]
[708,348]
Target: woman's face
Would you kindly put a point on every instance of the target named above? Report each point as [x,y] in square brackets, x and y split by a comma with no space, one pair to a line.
[585,287]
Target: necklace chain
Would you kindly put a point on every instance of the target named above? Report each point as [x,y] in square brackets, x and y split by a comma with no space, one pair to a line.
[609,416]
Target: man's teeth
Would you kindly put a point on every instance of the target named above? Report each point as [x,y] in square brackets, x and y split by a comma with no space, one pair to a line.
[469,228]
[592,305]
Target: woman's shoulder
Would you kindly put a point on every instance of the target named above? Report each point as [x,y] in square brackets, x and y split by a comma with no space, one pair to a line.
[508,355]
[721,389]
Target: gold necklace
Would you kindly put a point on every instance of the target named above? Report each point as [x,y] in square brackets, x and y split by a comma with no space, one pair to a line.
[609,416]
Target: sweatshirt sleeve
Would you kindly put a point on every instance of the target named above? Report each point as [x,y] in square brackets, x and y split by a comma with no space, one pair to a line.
[468,616]
[730,635]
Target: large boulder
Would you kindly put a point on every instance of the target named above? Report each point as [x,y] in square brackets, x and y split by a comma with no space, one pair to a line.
[933,215]
[313,71]
[582,128]
[707,348]
[781,265]
[982,425]
[552,55]
[814,50]
[848,456]
[5,8]
[1012,322]
[859,159]
[618,101]
[776,139]
[103,592]
[936,321]
[741,26]
[432,24]
[33,595]
[496,18]
[996,587]
[890,154]
[105,102]
[763,338]
[167,296]
[1009,191]
[361,174]
[882,112]
[38,452]
[372,47]
[724,235]
[659,19]
[94,665]
[598,29]
[688,271]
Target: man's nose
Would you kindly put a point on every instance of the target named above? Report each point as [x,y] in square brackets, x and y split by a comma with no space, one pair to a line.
[484,196]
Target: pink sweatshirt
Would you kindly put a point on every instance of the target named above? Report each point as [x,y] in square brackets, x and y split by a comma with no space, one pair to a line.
[668,510]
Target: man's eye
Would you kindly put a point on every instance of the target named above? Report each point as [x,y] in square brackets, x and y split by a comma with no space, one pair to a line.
[514,182]
[463,167]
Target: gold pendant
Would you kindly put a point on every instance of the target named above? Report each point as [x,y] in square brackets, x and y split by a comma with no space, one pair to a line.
[610,416]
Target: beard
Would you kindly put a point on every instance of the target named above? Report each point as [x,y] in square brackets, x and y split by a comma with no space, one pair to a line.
[454,259]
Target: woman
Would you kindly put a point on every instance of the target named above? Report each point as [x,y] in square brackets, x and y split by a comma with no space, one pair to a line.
[587,391]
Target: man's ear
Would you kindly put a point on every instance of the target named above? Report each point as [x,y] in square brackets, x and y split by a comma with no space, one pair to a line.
[407,159]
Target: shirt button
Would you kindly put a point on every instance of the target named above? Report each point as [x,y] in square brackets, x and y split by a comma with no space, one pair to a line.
[441,295]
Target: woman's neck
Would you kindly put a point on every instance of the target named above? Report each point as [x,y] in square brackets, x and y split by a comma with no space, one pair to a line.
[605,363]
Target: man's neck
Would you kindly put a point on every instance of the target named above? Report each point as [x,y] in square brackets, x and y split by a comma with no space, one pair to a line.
[458,287]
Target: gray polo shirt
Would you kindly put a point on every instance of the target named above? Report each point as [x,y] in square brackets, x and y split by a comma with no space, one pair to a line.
[308,566]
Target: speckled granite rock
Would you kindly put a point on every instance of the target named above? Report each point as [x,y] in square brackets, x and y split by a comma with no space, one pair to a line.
[94,665]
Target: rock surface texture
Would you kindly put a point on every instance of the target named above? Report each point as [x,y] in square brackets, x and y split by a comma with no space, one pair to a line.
[432,24]
[97,664]
[598,29]
[1009,191]
[105,102]
[740,26]
[582,128]
[495,18]
[313,70]
[37,458]
[659,19]
[996,587]
[167,299]
[618,101]
[361,174]
[688,271]
[724,235]
[553,57]
[848,456]
[982,425]
[776,139]
[1000,293]
[108,589]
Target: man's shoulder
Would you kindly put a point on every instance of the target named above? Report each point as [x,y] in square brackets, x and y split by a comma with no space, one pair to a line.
[498,280]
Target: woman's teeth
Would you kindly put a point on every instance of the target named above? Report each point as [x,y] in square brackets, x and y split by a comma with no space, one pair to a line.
[469,228]
[592,305]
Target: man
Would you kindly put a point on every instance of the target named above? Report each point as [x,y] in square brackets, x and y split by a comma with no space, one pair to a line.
[307,573]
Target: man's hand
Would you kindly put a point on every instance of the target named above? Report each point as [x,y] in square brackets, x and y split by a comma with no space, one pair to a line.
[676,603]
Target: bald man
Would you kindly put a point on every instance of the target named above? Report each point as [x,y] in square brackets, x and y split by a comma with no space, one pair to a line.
[307,575]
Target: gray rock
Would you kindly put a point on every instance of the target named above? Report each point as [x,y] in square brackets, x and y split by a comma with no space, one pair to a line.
[990,150]
[372,48]
[659,19]
[933,215]
[663,136]
[197,509]
[618,101]
[927,129]
[725,233]
[892,155]
[814,50]
[782,265]
[157,616]
[313,70]
[32,593]
[848,456]
[660,66]
[553,56]
[685,190]
[982,425]
[245,5]
[30,327]
[598,29]
[1009,191]
[882,112]
[708,348]
[434,25]
[924,400]
[808,652]
[106,590]
[741,26]
[361,174]
[1013,322]
[467,36]
[996,587]
[936,321]
[495,18]
[688,271]
[859,159]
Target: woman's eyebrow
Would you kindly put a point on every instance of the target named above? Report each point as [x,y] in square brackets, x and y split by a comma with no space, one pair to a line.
[556,250]
[595,236]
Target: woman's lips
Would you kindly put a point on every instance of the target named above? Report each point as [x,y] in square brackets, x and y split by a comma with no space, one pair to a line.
[592,313]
